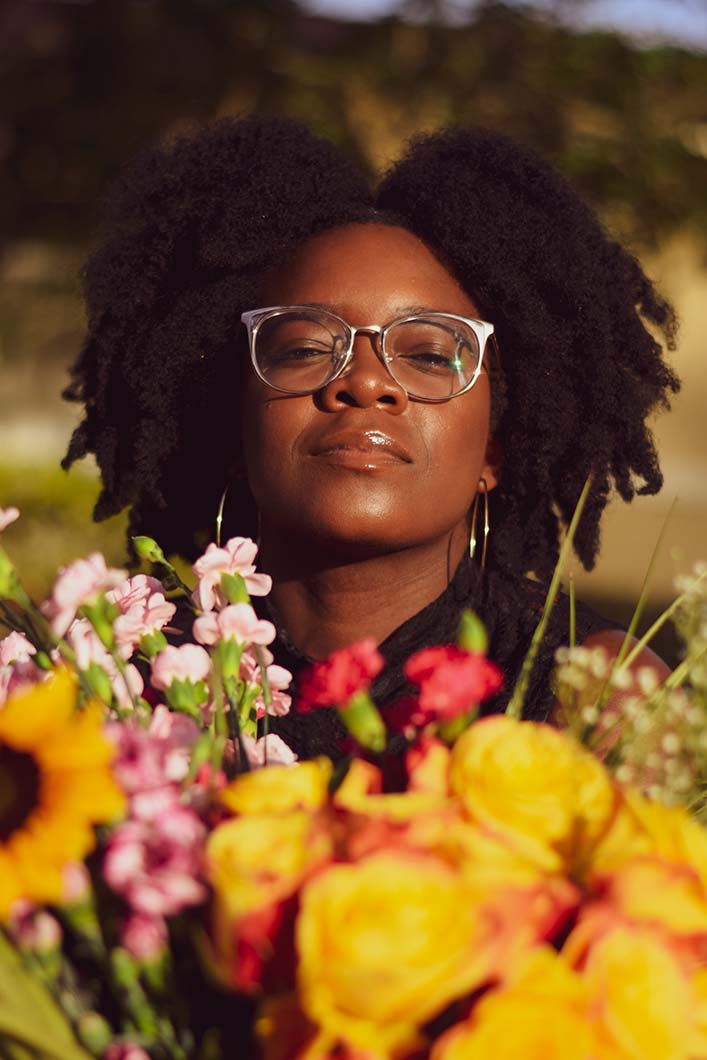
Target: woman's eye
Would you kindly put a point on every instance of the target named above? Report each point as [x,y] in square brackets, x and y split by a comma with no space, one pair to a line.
[299,353]
[430,361]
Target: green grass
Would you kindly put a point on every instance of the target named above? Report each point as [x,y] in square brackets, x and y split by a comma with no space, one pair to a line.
[55,524]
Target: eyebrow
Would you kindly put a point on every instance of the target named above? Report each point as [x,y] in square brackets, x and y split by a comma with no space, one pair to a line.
[405,310]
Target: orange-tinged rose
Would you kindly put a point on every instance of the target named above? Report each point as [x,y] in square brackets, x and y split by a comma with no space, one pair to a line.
[641,827]
[642,998]
[384,945]
[653,892]
[427,764]
[535,786]
[542,1014]
[260,858]
[255,863]
[277,789]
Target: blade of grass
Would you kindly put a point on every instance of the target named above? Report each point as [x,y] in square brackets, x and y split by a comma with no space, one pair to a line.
[515,707]
[658,624]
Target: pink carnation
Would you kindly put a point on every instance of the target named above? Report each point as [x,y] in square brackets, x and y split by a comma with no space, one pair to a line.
[237,622]
[17,677]
[155,864]
[125,1051]
[188,662]
[77,584]
[278,679]
[144,937]
[15,648]
[451,681]
[236,557]
[89,649]
[271,749]
[153,759]
[16,667]
[335,680]
[7,516]
[143,610]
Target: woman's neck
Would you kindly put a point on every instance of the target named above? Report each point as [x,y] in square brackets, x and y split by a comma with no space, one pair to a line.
[326,601]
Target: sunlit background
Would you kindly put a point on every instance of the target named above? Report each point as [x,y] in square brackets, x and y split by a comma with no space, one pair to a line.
[615,94]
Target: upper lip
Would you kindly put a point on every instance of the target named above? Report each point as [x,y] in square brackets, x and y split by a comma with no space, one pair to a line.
[364,441]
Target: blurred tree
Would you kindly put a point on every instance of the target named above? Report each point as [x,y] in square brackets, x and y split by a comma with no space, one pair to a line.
[85,84]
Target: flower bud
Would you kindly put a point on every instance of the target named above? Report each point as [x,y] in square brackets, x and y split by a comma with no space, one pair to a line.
[94,1032]
[99,682]
[125,969]
[153,643]
[472,634]
[148,549]
[361,718]
[234,589]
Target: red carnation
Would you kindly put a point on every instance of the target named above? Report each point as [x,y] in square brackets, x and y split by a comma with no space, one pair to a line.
[340,676]
[451,681]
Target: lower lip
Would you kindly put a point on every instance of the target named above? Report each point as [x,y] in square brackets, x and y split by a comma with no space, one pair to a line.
[361,459]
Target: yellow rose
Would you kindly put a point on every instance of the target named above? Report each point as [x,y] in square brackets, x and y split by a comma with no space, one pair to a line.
[641,827]
[656,892]
[542,1014]
[427,764]
[276,789]
[643,1000]
[361,792]
[535,786]
[384,945]
[254,864]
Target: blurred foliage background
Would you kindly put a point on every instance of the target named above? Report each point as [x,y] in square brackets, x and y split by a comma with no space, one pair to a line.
[85,83]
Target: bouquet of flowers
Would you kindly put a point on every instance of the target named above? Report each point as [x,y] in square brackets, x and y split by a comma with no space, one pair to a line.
[174,884]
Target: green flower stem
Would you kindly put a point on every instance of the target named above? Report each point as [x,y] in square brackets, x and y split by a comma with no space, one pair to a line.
[659,623]
[122,668]
[515,707]
[682,672]
[362,719]
[267,696]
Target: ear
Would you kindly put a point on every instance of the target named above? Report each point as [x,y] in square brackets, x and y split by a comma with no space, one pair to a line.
[491,470]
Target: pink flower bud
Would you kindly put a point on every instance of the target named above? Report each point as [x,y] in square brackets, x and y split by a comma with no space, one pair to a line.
[188,662]
[144,937]
[7,516]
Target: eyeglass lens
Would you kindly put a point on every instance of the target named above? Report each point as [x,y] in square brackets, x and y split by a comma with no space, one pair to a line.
[432,358]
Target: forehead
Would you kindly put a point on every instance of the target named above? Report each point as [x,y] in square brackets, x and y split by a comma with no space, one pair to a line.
[367,268]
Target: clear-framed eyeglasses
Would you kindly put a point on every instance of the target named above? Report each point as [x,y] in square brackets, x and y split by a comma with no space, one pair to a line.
[432,356]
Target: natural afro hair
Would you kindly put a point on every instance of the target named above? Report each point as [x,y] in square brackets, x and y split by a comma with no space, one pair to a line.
[192,228]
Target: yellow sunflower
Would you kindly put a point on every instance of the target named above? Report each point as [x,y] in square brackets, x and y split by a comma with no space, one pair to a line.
[55,785]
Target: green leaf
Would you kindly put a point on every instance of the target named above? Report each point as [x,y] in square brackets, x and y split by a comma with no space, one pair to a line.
[29,1016]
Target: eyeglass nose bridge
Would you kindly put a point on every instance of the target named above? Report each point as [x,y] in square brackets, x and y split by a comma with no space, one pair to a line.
[375,330]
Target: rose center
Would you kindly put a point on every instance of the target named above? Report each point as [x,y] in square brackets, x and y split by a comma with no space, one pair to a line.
[19,789]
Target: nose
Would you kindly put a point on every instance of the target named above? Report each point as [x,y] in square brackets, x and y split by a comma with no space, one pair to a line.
[365,382]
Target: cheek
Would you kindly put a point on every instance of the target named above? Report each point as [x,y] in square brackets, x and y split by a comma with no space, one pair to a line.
[456,439]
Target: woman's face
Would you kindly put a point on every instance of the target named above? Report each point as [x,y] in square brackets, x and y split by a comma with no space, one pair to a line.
[359,463]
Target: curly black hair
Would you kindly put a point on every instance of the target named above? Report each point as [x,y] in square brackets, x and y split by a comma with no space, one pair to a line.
[190,230]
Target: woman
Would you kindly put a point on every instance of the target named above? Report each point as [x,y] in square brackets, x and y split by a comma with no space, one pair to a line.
[464,341]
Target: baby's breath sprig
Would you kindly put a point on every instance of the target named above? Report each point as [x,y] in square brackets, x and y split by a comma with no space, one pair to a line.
[653,736]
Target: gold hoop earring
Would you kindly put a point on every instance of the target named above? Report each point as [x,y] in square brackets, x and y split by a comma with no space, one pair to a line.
[483,488]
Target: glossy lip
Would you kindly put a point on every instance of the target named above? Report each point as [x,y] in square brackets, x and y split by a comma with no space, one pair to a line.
[365,447]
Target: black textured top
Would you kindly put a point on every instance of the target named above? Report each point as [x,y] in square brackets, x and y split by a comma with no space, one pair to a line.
[510,608]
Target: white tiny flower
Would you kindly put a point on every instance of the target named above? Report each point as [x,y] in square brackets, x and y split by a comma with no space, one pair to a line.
[590,715]
[694,716]
[643,723]
[632,709]
[621,679]
[670,743]
[647,680]
[624,774]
